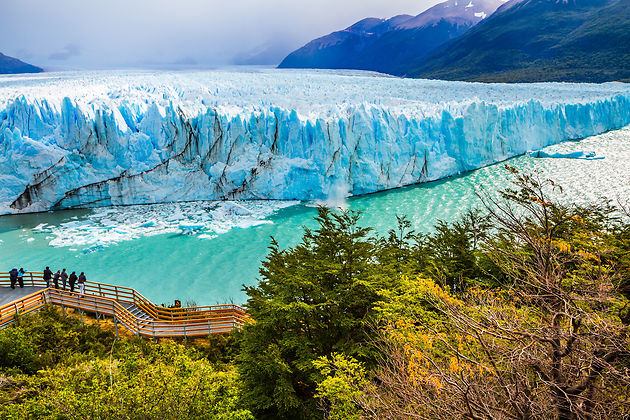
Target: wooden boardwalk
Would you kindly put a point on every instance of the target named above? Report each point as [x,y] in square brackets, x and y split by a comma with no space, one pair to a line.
[125,306]
[8,295]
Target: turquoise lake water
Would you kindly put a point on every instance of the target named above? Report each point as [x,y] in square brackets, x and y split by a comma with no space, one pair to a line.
[205,252]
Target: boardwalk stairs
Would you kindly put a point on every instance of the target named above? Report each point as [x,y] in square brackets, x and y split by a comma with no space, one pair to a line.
[124,305]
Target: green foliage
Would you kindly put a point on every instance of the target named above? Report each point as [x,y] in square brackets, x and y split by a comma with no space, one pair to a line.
[456,259]
[52,338]
[343,386]
[16,351]
[72,370]
[173,385]
[319,298]
[312,300]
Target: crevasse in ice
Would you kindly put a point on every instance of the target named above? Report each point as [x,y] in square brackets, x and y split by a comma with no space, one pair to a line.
[129,137]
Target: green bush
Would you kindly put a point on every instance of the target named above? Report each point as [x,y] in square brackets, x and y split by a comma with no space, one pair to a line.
[17,351]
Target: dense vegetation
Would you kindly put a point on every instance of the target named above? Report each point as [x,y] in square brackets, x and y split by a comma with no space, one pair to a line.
[53,366]
[519,310]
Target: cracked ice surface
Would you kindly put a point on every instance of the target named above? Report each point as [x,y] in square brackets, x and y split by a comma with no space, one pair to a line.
[89,139]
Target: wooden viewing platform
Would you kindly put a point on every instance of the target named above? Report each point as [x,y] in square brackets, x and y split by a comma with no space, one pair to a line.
[126,306]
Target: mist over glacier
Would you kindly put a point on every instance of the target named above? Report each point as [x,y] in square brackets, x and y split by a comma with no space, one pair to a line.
[91,139]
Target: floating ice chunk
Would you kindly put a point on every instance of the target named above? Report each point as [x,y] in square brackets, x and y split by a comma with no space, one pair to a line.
[191,229]
[206,236]
[94,248]
[572,155]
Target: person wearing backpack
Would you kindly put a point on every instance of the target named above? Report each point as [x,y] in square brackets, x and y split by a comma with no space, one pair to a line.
[73,278]
[64,278]
[47,276]
[56,279]
[13,275]
[21,277]
[82,283]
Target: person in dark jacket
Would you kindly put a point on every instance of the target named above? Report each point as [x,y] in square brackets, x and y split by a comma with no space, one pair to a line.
[64,278]
[82,283]
[56,279]
[21,277]
[73,279]
[47,276]
[13,275]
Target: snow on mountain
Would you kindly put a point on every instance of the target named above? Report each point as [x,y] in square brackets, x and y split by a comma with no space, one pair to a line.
[456,11]
[538,40]
[390,45]
[109,138]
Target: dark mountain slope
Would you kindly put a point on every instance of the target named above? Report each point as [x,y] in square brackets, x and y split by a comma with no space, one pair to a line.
[390,45]
[539,40]
[10,65]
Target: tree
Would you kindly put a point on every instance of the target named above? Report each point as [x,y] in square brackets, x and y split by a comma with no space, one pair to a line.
[312,300]
[552,342]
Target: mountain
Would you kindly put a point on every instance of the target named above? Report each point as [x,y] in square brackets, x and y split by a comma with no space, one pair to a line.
[10,65]
[390,45]
[539,40]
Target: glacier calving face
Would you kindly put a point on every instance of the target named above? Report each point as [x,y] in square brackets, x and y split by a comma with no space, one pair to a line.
[113,138]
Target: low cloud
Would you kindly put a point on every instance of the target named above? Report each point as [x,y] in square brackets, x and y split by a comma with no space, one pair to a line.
[119,33]
[70,50]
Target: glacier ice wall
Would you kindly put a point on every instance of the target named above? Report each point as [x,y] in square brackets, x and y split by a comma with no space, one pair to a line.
[112,138]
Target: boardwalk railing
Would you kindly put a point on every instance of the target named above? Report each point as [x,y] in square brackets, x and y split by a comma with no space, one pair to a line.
[117,302]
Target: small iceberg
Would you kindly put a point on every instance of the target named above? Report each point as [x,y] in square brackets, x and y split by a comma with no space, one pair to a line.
[191,229]
[94,248]
[573,155]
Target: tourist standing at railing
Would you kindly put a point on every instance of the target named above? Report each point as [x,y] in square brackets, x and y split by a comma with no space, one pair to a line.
[82,283]
[13,275]
[21,277]
[73,279]
[47,276]
[64,278]
[56,279]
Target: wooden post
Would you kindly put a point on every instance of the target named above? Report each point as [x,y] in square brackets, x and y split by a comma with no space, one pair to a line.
[32,282]
[95,308]
[79,308]
[115,319]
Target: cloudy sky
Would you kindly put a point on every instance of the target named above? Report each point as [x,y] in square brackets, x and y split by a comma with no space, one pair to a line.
[66,34]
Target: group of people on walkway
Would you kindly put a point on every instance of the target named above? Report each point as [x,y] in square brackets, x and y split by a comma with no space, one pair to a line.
[52,280]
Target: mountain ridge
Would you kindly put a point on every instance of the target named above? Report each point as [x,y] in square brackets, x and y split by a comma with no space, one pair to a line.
[387,45]
[538,40]
[11,65]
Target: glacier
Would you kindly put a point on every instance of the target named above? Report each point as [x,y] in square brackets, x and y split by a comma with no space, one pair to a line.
[91,139]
